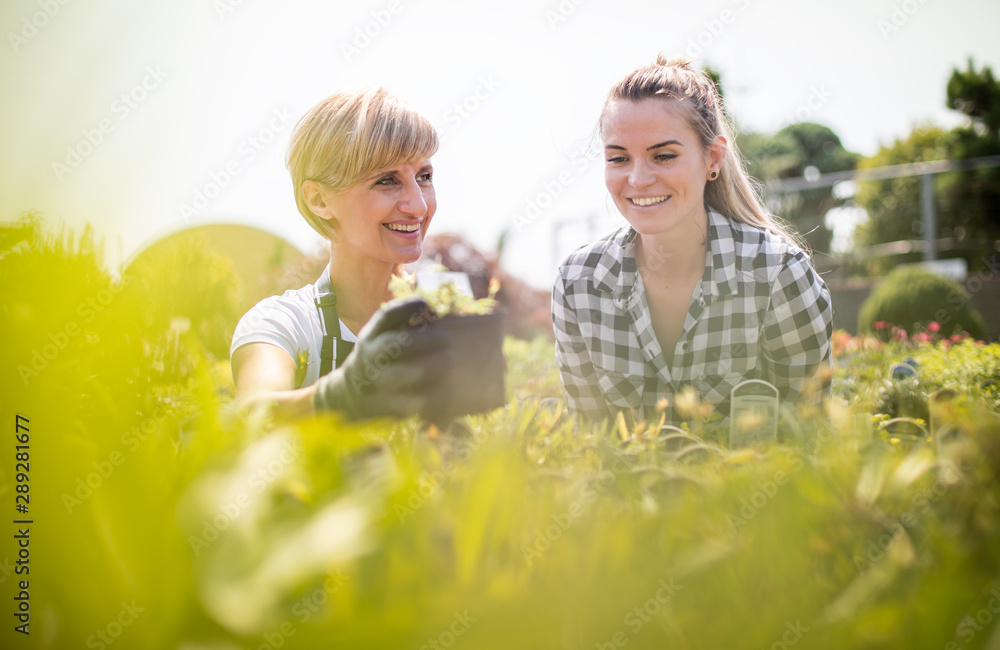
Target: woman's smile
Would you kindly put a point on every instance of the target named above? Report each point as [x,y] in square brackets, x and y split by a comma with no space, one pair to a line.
[408,229]
[648,201]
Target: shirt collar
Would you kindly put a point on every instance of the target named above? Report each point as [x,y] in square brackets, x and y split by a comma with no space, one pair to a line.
[615,272]
[322,283]
[720,261]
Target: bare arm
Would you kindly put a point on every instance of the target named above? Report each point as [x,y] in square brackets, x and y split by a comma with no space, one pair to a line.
[264,375]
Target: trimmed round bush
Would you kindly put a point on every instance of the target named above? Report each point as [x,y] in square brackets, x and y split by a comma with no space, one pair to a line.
[912,297]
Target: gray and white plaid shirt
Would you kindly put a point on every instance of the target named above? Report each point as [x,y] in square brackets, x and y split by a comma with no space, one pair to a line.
[760,312]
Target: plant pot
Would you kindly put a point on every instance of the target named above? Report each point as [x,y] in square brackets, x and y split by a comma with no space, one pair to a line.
[475,381]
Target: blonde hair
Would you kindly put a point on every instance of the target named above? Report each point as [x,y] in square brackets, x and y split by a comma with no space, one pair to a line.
[734,193]
[348,136]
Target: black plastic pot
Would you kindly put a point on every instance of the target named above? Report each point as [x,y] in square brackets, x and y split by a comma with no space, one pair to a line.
[475,382]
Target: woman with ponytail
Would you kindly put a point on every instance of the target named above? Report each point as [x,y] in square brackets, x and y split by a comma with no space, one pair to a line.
[703,287]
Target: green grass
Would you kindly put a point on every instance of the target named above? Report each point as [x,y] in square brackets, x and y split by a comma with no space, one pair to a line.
[519,529]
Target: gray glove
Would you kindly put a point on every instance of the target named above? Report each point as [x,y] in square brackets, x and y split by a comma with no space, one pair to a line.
[389,371]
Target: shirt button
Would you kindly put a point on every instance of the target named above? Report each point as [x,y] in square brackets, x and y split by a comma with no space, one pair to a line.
[684,346]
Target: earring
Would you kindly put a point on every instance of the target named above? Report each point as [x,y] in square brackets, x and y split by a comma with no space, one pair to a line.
[713,176]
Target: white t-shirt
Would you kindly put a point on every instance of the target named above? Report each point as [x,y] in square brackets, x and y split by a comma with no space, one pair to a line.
[291,322]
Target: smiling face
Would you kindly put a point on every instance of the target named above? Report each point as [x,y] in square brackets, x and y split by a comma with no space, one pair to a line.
[656,167]
[383,216]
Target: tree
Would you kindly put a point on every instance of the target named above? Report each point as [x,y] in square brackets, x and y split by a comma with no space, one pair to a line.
[967,202]
[972,198]
[788,154]
[977,94]
[894,205]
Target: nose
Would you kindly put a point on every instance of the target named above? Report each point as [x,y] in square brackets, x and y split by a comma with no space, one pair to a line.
[412,201]
[640,175]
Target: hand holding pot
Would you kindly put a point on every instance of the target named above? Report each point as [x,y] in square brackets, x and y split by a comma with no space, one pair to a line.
[390,371]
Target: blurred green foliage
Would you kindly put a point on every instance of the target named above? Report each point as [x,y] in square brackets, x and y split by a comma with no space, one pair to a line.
[911,297]
[200,290]
[515,529]
[894,205]
[967,202]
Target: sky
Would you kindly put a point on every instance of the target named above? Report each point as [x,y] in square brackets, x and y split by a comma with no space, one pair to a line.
[147,118]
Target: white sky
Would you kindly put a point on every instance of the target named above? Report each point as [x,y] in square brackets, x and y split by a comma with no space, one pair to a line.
[218,72]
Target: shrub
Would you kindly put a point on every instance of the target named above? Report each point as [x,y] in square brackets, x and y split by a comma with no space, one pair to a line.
[191,284]
[912,297]
[517,529]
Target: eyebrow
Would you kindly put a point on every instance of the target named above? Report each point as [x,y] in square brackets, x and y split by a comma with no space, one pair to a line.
[395,172]
[381,173]
[655,146]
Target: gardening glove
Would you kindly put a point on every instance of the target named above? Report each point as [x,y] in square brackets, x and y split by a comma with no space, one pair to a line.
[390,371]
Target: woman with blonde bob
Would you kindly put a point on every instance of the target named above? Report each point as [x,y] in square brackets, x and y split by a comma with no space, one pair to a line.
[702,288]
[362,178]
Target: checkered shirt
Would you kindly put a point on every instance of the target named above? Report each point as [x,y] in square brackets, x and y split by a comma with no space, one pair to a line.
[759,312]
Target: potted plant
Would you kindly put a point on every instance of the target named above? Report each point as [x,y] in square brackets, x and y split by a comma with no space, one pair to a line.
[474,383]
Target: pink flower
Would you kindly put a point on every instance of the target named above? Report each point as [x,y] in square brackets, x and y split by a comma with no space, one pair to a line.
[880,324]
[841,341]
[955,338]
[934,326]
[923,337]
